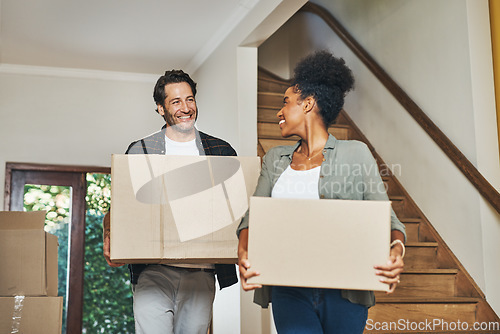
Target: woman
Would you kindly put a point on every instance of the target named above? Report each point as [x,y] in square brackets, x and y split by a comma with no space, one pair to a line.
[308,170]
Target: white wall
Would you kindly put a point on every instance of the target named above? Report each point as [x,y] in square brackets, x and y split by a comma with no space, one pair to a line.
[438,51]
[60,117]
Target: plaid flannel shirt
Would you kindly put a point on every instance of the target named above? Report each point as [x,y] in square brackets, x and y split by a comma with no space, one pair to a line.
[207,145]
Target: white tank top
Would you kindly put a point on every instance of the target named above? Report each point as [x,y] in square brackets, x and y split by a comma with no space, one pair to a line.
[297,184]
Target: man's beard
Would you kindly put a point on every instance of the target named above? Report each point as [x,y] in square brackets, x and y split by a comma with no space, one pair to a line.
[181,127]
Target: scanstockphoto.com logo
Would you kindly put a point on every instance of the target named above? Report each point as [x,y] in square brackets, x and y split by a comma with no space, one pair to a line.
[430,325]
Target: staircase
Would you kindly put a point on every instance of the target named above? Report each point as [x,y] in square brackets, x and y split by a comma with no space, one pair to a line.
[436,294]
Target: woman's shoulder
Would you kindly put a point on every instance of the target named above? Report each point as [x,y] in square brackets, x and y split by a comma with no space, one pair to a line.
[277,151]
[354,149]
[352,145]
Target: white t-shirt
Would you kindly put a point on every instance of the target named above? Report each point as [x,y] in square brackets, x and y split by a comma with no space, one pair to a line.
[184,148]
[297,184]
[181,148]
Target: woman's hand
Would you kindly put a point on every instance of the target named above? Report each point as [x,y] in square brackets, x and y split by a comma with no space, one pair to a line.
[390,272]
[244,264]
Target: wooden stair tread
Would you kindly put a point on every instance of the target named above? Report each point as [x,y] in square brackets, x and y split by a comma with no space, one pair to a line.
[430,271]
[410,220]
[271,93]
[397,197]
[421,244]
[427,300]
[265,78]
[270,106]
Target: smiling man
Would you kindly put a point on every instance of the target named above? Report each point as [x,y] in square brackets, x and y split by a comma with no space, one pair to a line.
[175,298]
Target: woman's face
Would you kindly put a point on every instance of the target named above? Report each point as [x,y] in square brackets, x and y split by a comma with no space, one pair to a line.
[292,114]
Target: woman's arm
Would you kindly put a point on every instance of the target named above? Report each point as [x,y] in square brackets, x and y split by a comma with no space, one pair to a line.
[390,272]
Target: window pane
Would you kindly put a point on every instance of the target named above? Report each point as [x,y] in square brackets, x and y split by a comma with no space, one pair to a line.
[56,200]
[107,305]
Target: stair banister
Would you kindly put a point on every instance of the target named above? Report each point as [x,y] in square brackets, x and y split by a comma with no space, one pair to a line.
[457,157]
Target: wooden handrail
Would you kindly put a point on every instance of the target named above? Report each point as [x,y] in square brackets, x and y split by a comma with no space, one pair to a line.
[456,156]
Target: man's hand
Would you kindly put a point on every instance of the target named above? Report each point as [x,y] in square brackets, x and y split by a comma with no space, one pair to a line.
[106,242]
[244,264]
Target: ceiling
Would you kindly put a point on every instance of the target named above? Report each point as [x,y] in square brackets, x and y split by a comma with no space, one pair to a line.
[141,36]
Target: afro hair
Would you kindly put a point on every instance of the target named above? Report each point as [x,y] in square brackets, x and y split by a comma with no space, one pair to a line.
[327,79]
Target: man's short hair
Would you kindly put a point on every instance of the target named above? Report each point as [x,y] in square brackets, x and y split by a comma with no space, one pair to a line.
[173,76]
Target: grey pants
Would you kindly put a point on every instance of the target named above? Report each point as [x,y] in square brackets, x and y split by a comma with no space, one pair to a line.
[170,300]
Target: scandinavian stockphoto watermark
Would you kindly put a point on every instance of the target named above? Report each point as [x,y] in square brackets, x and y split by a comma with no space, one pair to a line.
[345,179]
[430,325]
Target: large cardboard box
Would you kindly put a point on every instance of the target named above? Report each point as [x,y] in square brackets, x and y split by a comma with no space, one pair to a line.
[31,315]
[318,243]
[179,209]
[28,261]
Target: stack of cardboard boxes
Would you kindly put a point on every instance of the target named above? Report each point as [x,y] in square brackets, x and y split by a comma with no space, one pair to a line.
[28,275]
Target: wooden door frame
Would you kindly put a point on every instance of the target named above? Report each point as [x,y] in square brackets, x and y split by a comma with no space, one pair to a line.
[16,176]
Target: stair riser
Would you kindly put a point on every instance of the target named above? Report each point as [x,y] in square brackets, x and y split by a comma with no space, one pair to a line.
[274,100]
[420,258]
[402,209]
[412,230]
[390,185]
[425,285]
[267,115]
[269,86]
[415,313]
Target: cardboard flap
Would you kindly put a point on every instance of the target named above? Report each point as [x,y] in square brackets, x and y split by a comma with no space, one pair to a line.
[20,220]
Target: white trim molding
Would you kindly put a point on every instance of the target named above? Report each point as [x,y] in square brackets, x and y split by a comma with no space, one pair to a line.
[77,73]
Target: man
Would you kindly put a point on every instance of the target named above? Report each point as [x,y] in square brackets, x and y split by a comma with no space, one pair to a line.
[175,298]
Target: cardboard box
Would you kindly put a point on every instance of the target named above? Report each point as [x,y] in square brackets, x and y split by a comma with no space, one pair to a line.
[179,209]
[318,243]
[28,258]
[31,315]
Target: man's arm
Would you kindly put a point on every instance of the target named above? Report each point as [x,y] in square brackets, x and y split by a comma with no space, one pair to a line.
[106,222]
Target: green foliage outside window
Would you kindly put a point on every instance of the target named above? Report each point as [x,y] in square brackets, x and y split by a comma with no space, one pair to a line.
[107,306]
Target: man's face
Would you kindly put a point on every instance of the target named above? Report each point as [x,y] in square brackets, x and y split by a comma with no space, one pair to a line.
[179,110]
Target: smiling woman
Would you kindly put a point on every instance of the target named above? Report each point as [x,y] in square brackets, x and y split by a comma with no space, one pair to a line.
[305,171]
